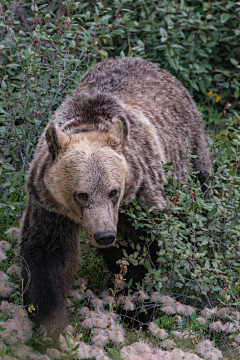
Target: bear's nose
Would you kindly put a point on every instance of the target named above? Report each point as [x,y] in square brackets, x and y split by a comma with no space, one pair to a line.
[105,238]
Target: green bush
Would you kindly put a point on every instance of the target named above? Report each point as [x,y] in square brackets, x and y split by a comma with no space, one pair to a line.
[198,236]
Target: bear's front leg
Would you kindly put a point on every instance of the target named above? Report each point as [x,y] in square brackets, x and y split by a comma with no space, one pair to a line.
[49,248]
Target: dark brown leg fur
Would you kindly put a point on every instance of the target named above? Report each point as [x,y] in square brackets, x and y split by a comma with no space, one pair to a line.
[49,248]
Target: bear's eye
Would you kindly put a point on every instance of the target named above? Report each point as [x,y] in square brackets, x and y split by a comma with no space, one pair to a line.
[82,196]
[113,193]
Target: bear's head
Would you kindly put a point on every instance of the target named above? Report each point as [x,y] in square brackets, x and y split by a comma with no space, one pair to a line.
[88,176]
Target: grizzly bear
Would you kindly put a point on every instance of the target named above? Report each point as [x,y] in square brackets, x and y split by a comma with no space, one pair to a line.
[105,145]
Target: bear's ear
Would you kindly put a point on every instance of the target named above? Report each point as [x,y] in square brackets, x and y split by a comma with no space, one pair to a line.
[117,133]
[57,140]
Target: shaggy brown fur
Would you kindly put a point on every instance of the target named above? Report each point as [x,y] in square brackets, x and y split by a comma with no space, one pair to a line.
[105,144]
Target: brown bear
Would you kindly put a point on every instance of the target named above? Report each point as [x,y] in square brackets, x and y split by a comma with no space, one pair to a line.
[106,144]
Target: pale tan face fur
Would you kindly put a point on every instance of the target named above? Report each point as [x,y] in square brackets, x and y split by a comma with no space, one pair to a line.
[88,177]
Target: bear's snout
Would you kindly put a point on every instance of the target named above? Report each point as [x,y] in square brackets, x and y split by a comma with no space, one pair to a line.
[105,238]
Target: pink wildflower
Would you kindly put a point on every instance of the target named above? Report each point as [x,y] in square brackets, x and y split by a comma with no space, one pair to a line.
[129,306]
[89,294]
[81,282]
[201,319]
[83,351]
[54,354]
[14,271]
[113,315]
[3,277]
[2,255]
[204,346]
[223,312]
[141,347]
[178,334]
[229,327]
[159,333]
[96,352]
[84,311]
[69,329]
[168,344]
[109,300]
[99,340]
[22,351]
[178,354]
[103,357]
[216,326]
[88,323]
[189,310]
[141,295]
[191,357]
[117,335]
[4,245]
[97,303]
[179,308]
[214,354]
[168,309]
[167,300]
[5,290]
[155,297]
[208,313]
[76,296]
[12,233]
[62,343]
[5,306]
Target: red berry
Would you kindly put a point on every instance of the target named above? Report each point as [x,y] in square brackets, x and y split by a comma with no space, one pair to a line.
[39,22]
[189,188]
[64,22]
[49,80]
[115,15]
[8,93]
[214,240]
[118,17]
[57,28]
[110,30]
[222,273]
[62,31]
[7,23]
[33,22]
[67,28]
[55,50]
[99,48]
[228,214]
[55,42]
[72,4]
[228,197]
[223,212]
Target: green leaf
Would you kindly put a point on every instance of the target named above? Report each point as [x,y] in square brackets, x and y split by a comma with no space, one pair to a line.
[224,17]
[68,341]
[87,15]
[234,223]
[212,212]
[47,18]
